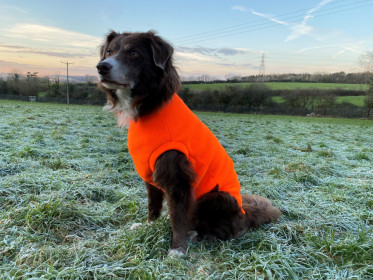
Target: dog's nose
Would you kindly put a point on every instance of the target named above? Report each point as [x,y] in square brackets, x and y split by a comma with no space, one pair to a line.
[103,68]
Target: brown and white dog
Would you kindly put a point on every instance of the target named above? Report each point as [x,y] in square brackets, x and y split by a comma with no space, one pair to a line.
[136,71]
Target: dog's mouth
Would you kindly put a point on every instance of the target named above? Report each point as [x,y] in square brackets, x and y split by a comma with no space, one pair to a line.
[113,84]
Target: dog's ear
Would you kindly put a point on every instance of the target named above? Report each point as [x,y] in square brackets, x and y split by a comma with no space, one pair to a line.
[162,51]
[109,38]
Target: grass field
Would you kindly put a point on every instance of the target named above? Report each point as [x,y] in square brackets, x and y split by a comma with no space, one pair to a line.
[355,100]
[69,194]
[281,86]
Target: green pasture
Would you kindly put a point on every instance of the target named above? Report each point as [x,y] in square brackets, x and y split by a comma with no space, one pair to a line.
[280,86]
[69,195]
[355,100]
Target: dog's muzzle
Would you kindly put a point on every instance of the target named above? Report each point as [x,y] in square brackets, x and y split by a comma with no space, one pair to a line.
[103,68]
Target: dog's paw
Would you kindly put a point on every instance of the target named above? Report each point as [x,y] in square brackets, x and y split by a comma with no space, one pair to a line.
[193,236]
[175,253]
[135,226]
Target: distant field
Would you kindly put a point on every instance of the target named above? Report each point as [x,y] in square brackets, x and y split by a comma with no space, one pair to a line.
[69,195]
[280,86]
[355,100]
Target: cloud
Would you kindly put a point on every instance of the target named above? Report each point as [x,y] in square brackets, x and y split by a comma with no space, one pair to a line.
[199,50]
[313,48]
[10,47]
[339,53]
[213,52]
[319,6]
[181,55]
[56,53]
[342,48]
[51,36]
[269,17]
[240,65]
[239,8]
[298,31]
[9,67]
[12,8]
[231,51]
[216,61]
[43,47]
[14,65]
[352,50]
[302,29]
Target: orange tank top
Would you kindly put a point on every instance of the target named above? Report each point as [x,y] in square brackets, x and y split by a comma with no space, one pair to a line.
[176,127]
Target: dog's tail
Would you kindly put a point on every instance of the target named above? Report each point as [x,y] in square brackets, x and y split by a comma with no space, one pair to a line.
[259,210]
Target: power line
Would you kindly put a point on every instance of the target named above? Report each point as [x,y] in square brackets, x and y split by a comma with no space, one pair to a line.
[217,32]
[67,79]
[202,34]
[266,23]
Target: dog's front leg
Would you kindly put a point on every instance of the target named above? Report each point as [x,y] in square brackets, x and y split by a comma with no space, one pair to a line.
[174,173]
[155,201]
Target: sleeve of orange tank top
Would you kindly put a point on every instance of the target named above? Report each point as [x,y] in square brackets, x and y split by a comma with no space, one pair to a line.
[164,148]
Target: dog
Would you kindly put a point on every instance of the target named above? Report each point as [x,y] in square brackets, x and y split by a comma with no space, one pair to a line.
[176,155]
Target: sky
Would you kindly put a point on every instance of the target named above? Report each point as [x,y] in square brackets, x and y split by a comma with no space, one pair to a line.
[221,38]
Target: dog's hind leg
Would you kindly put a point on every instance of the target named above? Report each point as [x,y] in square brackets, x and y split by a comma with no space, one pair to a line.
[174,174]
[218,216]
[259,210]
[155,202]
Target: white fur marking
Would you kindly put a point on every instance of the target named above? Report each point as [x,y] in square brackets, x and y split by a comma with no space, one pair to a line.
[122,109]
[175,253]
[135,226]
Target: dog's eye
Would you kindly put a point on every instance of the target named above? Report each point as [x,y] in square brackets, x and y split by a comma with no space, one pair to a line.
[133,53]
[109,53]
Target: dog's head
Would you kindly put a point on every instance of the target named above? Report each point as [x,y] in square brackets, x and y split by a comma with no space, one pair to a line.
[136,69]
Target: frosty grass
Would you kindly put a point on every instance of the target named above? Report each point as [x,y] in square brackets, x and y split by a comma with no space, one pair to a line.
[69,195]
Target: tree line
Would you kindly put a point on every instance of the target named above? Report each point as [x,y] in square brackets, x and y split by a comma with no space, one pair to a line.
[18,86]
[258,98]
[339,77]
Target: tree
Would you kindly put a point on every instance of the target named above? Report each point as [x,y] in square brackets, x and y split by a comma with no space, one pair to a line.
[300,99]
[14,82]
[257,94]
[366,61]
[56,87]
[323,100]
[90,79]
[30,87]
[368,101]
